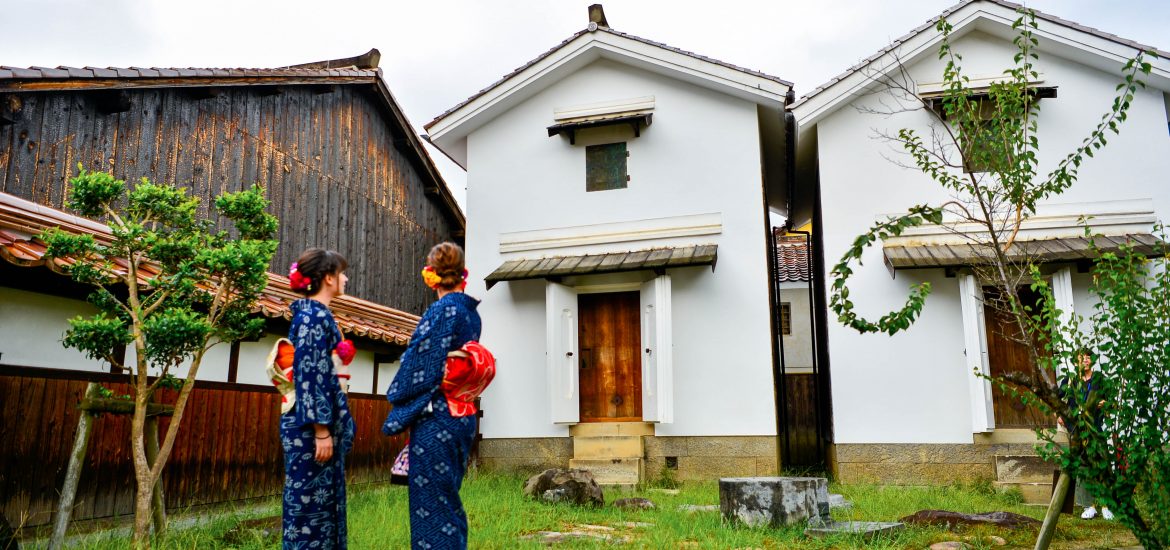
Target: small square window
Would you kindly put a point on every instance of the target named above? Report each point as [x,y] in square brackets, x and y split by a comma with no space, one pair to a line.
[786,319]
[605,167]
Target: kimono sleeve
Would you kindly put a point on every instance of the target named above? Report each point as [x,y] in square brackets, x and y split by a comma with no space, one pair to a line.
[312,370]
[425,358]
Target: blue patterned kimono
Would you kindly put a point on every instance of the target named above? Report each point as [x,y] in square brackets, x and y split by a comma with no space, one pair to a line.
[314,494]
[439,443]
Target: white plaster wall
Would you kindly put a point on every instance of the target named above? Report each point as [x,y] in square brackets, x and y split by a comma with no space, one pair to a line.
[798,350]
[214,366]
[701,155]
[32,326]
[912,387]
[254,359]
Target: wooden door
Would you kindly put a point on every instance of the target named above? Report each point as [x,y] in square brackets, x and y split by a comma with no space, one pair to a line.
[610,362]
[1006,353]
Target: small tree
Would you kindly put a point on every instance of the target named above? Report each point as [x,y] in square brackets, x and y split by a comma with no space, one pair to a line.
[984,151]
[169,285]
[1119,425]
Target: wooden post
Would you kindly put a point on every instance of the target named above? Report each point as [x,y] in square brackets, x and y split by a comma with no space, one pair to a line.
[85,424]
[158,503]
[1048,528]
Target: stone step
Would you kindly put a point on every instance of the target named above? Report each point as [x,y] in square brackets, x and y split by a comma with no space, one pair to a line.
[1034,492]
[616,471]
[608,446]
[1023,469]
[598,429]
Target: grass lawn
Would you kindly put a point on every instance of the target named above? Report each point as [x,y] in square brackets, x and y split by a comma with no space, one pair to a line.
[500,516]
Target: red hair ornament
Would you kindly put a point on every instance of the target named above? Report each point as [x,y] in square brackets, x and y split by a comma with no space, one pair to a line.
[296,280]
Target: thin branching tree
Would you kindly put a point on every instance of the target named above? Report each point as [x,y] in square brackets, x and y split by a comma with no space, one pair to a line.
[169,286]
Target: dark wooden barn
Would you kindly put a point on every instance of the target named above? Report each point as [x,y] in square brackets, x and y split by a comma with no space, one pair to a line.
[344,170]
[342,165]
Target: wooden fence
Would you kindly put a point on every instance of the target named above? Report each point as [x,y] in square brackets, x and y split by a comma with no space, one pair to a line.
[228,448]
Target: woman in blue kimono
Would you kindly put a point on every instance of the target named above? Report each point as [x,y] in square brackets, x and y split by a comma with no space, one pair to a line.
[439,442]
[318,431]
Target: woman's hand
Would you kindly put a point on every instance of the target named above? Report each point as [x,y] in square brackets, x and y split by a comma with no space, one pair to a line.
[324,443]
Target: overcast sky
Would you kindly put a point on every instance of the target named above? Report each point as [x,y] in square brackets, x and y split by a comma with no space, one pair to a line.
[435,53]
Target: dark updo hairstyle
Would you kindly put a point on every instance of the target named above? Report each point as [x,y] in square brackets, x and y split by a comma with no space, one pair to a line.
[316,263]
[446,259]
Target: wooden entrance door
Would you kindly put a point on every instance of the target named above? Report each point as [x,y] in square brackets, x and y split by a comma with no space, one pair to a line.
[609,338]
[1006,353]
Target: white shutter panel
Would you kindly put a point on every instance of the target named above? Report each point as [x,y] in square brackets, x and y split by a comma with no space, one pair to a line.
[975,344]
[561,352]
[657,361]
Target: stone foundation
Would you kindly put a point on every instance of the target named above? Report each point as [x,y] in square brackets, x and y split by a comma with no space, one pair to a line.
[712,457]
[695,458]
[525,456]
[922,464]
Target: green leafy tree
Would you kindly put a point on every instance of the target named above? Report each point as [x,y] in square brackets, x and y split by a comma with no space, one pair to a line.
[1118,420]
[982,148]
[168,285]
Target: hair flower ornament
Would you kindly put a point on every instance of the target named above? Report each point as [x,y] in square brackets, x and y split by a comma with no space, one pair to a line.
[296,280]
[431,278]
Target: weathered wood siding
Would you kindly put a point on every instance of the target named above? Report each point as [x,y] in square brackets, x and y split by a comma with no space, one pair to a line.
[801,406]
[340,174]
[228,447]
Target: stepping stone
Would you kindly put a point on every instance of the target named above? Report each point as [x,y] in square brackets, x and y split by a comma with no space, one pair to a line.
[950,545]
[868,529]
[635,503]
[554,537]
[665,491]
[774,501]
[839,502]
[948,520]
[692,508]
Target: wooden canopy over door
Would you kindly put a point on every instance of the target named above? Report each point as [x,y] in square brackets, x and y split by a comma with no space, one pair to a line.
[1006,353]
[610,357]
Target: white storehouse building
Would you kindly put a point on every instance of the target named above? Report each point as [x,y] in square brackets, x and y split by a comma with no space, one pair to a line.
[908,408]
[617,193]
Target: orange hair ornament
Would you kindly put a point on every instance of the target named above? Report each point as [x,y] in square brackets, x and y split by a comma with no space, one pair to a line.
[431,278]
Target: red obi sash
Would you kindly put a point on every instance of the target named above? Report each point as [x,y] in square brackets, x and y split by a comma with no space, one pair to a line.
[469,370]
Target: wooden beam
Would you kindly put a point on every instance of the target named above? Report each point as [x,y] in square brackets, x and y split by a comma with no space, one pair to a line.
[123,406]
[233,361]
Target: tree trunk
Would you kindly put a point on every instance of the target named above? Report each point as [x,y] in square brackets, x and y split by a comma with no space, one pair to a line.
[158,502]
[73,474]
[143,476]
[1048,529]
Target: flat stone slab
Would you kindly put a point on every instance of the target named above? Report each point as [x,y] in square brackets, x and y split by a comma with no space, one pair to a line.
[665,491]
[838,502]
[692,508]
[867,529]
[950,520]
[774,501]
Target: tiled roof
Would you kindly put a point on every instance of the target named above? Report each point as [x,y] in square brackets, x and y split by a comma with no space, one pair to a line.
[791,259]
[934,21]
[1060,249]
[21,221]
[566,41]
[612,262]
[90,73]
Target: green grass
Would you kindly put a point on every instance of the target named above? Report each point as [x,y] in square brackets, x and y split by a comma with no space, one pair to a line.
[500,516]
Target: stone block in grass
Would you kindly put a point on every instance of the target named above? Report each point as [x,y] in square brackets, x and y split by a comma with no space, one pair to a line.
[774,501]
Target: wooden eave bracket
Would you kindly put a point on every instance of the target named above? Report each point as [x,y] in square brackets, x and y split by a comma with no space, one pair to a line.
[935,100]
[636,122]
